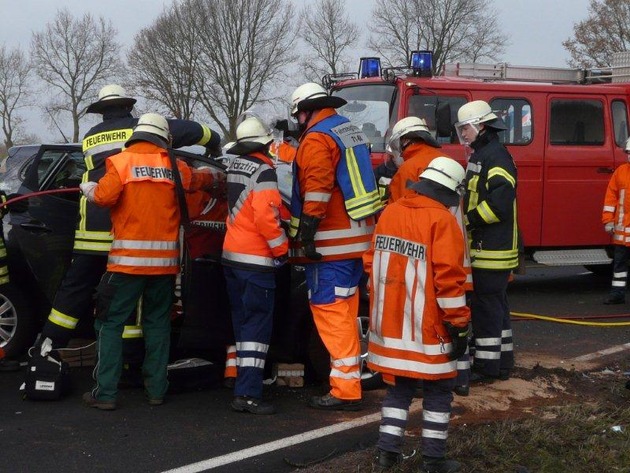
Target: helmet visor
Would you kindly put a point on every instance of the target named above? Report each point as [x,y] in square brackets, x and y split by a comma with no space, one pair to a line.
[466,132]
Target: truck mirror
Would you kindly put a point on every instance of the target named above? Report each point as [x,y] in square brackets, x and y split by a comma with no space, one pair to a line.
[443,119]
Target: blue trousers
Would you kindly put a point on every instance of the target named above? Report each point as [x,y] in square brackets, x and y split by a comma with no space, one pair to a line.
[251,302]
[492,327]
[436,411]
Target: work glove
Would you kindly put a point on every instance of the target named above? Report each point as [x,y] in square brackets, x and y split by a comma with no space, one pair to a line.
[87,188]
[609,228]
[213,147]
[280,261]
[459,340]
[308,229]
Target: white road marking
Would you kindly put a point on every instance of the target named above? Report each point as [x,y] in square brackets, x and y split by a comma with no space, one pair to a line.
[600,353]
[279,444]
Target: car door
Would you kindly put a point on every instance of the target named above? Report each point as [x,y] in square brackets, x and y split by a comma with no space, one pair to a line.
[40,240]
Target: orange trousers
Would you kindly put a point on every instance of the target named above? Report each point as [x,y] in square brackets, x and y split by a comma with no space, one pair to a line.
[337,326]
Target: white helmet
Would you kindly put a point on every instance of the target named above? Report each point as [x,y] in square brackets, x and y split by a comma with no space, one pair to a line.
[312,96]
[109,96]
[151,127]
[475,112]
[153,123]
[445,171]
[251,135]
[411,127]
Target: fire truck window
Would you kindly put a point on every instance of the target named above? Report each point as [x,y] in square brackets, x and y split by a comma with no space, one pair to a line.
[423,106]
[620,122]
[577,122]
[369,108]
[517,115]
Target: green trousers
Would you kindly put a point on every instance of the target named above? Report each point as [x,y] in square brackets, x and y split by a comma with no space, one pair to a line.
[123,291]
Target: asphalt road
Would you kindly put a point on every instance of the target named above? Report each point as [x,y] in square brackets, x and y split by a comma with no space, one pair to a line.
[199,426]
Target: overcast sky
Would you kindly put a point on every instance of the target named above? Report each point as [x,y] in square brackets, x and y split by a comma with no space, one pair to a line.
[536,28]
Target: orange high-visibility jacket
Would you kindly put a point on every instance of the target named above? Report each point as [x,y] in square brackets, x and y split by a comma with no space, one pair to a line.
[417,157]
[617,204]
[283,151]
[254,236]
[417,281]
[338,236]
[139,187]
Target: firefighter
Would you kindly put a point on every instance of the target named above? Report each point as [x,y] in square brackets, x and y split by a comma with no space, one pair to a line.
[418,314]
[383,175]
[491,220]
[414,148]
[255,245]
[616,220]
[333,206]
[412,142]
[139,188]
[92,241]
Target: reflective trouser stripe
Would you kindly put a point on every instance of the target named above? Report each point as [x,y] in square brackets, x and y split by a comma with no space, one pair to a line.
[132,331]
[337,326]
[491,322]
[63,320]
[436,409]
[230,362]
[463,369]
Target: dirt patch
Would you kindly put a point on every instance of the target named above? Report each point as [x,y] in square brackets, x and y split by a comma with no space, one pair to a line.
[534,401]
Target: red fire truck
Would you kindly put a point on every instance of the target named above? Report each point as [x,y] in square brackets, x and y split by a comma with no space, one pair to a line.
[566,131]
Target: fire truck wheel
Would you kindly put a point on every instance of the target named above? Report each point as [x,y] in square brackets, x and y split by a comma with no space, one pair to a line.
[18,326]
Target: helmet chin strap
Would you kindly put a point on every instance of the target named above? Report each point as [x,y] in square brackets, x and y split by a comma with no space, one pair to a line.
[302,126]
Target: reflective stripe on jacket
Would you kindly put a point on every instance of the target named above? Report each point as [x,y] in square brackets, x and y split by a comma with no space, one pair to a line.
[417,281]
[254,236]
[93,233]
[490,205]
[317,192]
[139,188]
[617,204]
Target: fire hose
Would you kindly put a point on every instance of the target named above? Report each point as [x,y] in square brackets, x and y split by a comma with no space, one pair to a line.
[39,193]
[572,320]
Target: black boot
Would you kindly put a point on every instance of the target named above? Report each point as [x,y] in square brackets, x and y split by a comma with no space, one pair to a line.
[615,297]
[440,465]
[385,459]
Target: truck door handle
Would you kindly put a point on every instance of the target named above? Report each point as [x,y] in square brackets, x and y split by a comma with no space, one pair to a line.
[604,170]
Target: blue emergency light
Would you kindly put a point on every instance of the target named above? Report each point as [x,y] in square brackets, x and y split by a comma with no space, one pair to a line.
[369,67]
[422,63]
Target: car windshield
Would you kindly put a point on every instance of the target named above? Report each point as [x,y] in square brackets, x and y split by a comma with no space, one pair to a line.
[10,180]
[368,107]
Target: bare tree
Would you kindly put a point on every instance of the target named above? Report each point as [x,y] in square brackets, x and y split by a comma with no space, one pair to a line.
[164,60]
[15,74]
[223,56]
[603,33]
[75,57]
[328,33]
[245,50]
[455,30]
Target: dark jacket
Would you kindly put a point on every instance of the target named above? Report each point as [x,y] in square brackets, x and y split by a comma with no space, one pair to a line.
[92,235]
[490,204]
